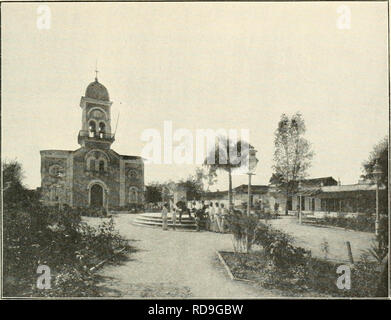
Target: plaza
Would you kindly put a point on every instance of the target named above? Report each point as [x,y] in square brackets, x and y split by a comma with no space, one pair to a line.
[185,265]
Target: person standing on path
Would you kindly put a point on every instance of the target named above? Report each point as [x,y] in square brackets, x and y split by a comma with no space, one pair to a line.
[216,223]
[198,215]
[174,212]
[212,217]
[224,213]
[164,216]
[181,209]
[208,220]
[218,217]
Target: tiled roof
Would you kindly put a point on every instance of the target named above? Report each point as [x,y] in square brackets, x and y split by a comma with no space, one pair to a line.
[351,187]
[318,181]
[215,195]
[254,188]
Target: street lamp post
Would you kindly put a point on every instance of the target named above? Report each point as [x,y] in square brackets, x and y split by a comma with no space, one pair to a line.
[249,193]
[252,163]
[298,189]
[377,173]
[107,201]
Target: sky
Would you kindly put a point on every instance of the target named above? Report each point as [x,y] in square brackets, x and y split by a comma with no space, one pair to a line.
[202,66]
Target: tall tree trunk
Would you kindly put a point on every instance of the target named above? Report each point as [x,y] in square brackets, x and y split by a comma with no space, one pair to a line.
[230,189]
[286,202]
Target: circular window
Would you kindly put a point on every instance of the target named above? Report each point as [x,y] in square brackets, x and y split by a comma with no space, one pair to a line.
[98,114]
[55,170]
[132,174]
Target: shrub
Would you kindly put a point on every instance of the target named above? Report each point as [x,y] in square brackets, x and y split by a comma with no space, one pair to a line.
[244,229]
[91,212]
[279,248]
[59,239]
[379,247]
[364,223]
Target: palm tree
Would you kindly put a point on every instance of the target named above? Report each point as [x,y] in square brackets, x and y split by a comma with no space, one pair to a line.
[205,177]
[227,156]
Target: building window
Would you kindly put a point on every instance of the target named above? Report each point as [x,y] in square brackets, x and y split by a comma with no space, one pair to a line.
[54,192]
[96,160]
[102,129]
[92,129]
[98,114]
[91,164]
[101,166]
[55,170]
[133,194]
[132,174]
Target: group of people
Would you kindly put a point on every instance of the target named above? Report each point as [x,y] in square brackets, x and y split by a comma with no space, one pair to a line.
[211,216]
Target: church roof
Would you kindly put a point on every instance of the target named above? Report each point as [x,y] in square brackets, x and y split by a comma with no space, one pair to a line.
[98,91]
[130,157]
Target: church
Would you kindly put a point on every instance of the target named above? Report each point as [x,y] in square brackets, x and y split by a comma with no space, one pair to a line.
[93,175]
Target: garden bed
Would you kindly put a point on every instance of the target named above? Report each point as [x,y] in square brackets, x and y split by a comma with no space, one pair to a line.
[317,280]
[71,248]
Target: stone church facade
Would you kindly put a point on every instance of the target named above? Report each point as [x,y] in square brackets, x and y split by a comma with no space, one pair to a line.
[93,175]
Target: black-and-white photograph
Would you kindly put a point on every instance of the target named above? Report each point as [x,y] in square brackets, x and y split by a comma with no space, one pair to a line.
[188,150]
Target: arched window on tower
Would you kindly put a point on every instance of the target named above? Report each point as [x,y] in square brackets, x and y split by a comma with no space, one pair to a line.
[92,129]
[91,164]
[101,166]
[102,129]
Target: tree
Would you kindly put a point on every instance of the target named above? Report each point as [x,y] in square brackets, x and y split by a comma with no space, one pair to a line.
[205,178]
[153,192]
[15,194]
[292,154]
[227,155]
[379,154]
[192,186]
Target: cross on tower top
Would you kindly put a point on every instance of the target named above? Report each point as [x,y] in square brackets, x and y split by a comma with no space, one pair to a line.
[96,71]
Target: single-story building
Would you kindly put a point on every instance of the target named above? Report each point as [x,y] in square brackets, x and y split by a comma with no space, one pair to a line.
[240,195]
[309,187]
[319,197]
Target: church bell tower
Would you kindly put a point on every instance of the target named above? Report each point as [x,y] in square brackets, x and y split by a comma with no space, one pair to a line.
[96,117]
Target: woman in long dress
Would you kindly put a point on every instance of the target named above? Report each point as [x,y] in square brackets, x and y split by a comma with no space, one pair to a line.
[222,219]
[174,212]
[212,217]
[218,217]
[164,216]
[224,213]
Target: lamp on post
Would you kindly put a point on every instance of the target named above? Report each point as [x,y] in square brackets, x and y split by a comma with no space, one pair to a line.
[61,188]
[252,163]
[107,201]
[298,189]
[377,173]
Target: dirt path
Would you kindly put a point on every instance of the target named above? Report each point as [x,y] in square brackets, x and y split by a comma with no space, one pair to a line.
[313,237]
[174,264]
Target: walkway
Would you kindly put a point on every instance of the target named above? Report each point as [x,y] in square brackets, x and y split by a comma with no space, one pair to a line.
[174,264]
[312,237]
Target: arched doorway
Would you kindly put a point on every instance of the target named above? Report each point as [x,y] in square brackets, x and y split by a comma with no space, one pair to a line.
[96,196]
